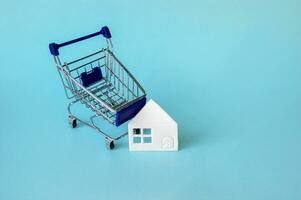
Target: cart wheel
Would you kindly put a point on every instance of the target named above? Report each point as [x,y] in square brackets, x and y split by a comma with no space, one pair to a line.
[72,122]
[110,145]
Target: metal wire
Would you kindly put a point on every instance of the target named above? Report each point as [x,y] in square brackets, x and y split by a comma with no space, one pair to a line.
[117,89]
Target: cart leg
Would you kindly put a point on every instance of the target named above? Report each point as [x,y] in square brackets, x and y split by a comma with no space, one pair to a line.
[110,144]
[108,139]
[72,121]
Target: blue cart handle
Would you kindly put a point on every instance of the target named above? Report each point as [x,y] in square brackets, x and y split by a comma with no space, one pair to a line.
[54,48]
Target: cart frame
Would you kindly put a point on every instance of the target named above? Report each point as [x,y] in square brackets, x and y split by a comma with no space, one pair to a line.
[115,96]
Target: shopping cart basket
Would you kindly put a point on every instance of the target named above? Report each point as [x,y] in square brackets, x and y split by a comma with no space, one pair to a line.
[101,83]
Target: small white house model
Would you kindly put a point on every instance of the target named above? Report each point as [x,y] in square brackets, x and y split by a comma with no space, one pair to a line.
[152,129]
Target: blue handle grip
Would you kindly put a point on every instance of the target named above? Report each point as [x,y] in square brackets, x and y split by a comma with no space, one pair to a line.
[54,48]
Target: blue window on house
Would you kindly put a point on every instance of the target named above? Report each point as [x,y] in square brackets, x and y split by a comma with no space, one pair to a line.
[147,139]
[136,140]
[147,131]
[142,136]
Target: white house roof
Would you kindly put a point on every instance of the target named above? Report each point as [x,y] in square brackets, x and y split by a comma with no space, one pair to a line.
[152,113]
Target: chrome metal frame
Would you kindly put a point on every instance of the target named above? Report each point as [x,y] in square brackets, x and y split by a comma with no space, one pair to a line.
[117,90]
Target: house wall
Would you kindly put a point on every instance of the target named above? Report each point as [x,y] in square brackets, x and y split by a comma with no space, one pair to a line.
[164,138]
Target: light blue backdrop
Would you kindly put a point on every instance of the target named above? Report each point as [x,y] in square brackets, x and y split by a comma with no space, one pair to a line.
[227,71]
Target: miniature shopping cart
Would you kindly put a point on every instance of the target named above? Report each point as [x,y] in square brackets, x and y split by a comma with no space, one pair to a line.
[101,83]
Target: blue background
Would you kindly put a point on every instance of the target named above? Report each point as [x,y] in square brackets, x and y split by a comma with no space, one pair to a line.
[227,71]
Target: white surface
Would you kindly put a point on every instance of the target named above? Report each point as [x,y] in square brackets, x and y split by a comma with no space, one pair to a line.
[152,113]
[164,130]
